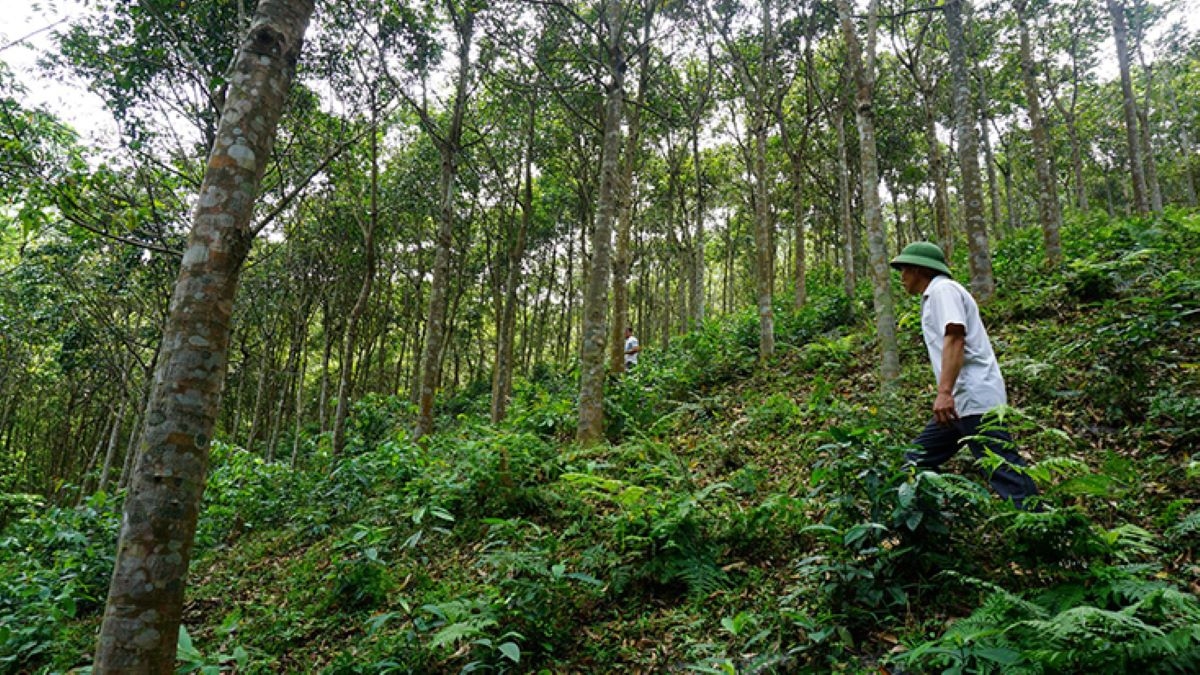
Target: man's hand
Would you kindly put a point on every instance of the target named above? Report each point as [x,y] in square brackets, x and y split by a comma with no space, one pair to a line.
[943,409]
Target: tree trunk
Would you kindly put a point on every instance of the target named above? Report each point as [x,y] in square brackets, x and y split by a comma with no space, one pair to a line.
[1141,202]
[326,355]
[983,283]
[1080,186]
[507,328]
[622,258]
[989,157]
[1185,147]
[1151,166]
[696,282]
[298,404]
[449,148]
[259,395]
[800,261]
[111,452]
[591,353]
[845,214]
[764,226]
[145,599]
[863,68]
[350,340]
[937,171]
[1048,212]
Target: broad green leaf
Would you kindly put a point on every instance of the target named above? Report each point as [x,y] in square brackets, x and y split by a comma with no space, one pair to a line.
[511,651]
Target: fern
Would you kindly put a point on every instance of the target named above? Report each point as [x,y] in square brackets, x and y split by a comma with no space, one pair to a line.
[1186,528]
[1149,627]
[1129,541]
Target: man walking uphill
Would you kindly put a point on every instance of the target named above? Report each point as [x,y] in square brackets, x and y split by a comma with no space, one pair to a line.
[969,384]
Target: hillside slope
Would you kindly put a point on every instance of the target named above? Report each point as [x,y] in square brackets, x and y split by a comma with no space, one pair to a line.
[744,518]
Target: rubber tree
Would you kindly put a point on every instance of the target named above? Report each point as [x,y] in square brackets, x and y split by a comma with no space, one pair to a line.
[1047,198]
[1141,200]
[862,68]
[623,254]
[145,599]
[754,71]
[613,16]
[448,137]
[925,70]
[983,282]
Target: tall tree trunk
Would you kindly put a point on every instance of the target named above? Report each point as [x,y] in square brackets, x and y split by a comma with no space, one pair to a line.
[1079,184]
[350,340]
[764,225]
[696,258]
[449,148]
[1048,212]
[1185,147]
[595,308]
[111,453]
[927,88]
[941,193]
[862,66]
[326,357]
[983,283]
[298,403]
[1148,155]
[145,599]
[622,258]
[131,447]
[503,370]
[1141,202]
[764,250]
[845,215]
[989,157]
[260,393]
[800,261]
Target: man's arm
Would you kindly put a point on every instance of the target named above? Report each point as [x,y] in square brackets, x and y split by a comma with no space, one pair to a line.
[953,350]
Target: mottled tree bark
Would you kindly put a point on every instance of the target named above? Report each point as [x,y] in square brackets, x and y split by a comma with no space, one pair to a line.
[862,66]
[595,299]
[145,598]
[1141,201]
[983,283]
[845,217]
[1048,211]
[449,146]
[622,259]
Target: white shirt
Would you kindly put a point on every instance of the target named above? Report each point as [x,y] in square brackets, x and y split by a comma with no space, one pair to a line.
[980,387]
[631,342]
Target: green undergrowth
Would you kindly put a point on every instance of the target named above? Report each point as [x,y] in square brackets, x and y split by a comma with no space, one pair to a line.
[742,517]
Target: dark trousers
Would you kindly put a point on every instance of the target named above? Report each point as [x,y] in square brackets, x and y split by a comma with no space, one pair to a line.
[939,443]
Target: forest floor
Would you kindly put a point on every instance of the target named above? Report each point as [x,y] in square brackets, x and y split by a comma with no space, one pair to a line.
[744,517]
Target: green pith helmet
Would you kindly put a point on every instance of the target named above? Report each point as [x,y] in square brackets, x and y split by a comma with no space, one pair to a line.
[922,254]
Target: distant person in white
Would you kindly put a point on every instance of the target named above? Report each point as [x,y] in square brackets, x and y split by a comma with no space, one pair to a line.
[969,384]
[631,348]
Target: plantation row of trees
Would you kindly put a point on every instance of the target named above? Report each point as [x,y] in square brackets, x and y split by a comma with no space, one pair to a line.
[462,193]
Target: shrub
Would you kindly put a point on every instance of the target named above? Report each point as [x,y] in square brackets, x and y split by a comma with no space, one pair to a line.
[55,566]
